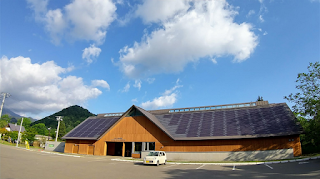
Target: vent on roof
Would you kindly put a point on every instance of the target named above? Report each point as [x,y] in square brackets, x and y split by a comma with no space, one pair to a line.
[205,108]
[113,114]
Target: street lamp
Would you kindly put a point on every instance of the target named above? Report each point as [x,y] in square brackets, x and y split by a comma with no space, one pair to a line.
[59,118]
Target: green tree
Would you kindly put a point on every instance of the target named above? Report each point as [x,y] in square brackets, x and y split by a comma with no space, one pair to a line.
[13,135]
[26,122]
[62,129]
[260,98]
[6,118]
[307,106]
[40,128]
[3,123]
[29,134]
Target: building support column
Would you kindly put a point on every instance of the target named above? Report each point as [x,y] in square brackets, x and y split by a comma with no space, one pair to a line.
[123,149]
[105,149]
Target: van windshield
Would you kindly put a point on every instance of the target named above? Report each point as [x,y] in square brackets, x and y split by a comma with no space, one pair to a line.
[153,154]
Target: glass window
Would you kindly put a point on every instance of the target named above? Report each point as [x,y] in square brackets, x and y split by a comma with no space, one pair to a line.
[153,154]
[137,147]
[152,145]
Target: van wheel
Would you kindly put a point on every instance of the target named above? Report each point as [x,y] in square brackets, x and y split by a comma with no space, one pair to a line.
[158,163]
[165,162]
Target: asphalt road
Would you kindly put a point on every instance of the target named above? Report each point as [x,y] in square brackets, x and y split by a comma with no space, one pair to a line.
[20,163]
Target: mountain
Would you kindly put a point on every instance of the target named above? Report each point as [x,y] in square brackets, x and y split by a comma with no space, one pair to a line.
[14,116]
[72,116]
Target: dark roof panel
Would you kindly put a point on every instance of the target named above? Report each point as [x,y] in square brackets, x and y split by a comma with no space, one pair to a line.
[254,121]
[92,128]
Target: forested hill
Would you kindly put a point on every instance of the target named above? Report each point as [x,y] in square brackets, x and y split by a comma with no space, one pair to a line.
[72,116]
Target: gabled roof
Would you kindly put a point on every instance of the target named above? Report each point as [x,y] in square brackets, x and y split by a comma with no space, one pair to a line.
[240,121]
[15,127]
[247,122]
[91,128]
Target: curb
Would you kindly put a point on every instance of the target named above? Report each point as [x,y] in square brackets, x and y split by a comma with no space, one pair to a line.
[60,154]
[228,164]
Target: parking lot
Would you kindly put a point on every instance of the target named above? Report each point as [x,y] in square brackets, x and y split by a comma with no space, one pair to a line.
[21,163]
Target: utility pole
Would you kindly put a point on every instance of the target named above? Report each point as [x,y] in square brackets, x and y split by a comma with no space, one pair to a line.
[49,129]
[4,96]
[19,132]
[59,118]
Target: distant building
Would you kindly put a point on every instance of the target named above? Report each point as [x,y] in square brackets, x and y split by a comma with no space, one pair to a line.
[14,127]
[40,137]
[245,131]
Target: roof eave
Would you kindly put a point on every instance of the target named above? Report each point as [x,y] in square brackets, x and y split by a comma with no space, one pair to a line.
[239,137]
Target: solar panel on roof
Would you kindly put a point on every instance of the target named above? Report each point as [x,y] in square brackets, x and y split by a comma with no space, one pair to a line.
[92,127]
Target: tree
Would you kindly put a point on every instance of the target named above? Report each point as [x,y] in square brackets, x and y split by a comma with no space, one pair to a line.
[3,123]
[40,128]
[29,134]
[307,106]
[6,118]
[260,98]
[26,122]
[62,129]
[13,135]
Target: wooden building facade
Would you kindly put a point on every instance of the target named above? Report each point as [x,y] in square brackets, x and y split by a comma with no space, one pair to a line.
[137,131]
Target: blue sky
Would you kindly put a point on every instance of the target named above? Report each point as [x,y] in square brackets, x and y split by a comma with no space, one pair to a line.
[108,55]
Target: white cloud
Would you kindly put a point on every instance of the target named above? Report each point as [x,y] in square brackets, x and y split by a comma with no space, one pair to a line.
[91,52]
[126,88]
[205,30]
[214,61]
[262,11]
[38,88]
[101,83]
[137,84]
[150,80]
[265,33]
[135,100]
[156,11]
[79,20]
[251,12]
[261,18]
[167,99]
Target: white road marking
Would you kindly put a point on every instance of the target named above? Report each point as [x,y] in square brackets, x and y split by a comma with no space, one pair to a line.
[201,166]
[303,162]
[268,166]
[60,154]
[171,165]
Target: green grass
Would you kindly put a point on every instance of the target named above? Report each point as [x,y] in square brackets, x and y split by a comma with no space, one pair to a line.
[20,145]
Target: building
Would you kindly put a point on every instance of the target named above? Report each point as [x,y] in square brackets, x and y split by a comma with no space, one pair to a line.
[246,131]
[14,127]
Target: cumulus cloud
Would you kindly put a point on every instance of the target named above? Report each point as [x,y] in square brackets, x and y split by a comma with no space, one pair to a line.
[207,29]
[100,83]
[79,20]
[38,88]
[167,99]
[156,11]
[91,52]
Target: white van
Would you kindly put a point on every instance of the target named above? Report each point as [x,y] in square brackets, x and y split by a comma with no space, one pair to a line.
[155,157]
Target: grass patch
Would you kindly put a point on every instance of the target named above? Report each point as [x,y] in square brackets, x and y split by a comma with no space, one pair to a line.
[20,145]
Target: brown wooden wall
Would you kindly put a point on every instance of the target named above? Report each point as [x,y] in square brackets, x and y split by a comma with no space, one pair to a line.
[141,129]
